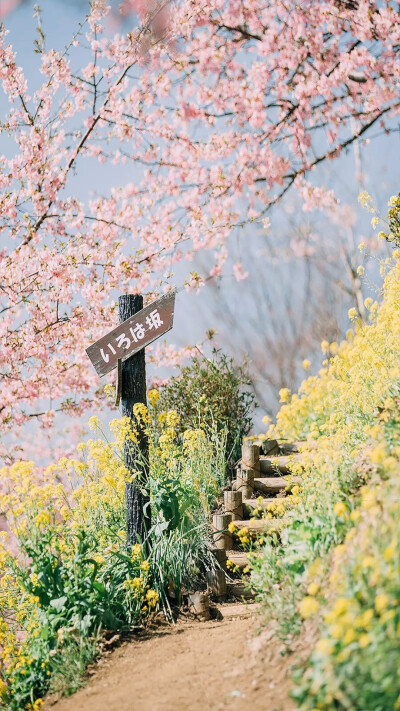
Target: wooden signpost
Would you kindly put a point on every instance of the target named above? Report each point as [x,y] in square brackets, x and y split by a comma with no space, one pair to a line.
[136,331]
[123,348]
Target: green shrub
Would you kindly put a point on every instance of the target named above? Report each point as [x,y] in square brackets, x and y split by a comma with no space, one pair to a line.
[213,391]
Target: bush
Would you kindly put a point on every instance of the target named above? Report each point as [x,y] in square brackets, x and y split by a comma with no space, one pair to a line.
[213,391]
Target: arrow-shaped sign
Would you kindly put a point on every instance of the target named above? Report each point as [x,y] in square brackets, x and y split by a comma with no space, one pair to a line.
[132,335]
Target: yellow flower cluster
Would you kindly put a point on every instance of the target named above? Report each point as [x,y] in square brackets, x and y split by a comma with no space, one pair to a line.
[27,494]
[153,396]
[346,508]
[74,494]
[309,606]
[17,610]
[363,616]
[232,567]
[343,398]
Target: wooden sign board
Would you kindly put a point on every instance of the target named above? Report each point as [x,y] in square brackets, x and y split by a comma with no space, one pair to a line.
[132,335]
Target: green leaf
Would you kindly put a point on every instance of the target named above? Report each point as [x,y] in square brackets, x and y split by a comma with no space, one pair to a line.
[110,621]
[59,603]
[122,557]
[99,587]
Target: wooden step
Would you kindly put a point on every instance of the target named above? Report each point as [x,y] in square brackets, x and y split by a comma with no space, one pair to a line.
[239,609]
[240,590]
[271,465]
[269,447]
[258,503]
[290,447]
[270,485]
[258,525]
[239,558]
[261,505]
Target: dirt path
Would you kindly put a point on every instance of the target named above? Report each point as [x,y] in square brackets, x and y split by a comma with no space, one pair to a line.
[193,666]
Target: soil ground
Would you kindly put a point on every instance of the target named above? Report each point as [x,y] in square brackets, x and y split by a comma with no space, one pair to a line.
[227,665]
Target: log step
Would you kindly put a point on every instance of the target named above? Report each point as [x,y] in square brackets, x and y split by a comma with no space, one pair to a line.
[270,485]
[240,609]
[259,503]
[258,525]
[239,558]
[241,591]
[290,447]
[271,465]
[273,447]
[269,447]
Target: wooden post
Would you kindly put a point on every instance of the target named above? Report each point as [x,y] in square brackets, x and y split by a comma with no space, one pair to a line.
[220,555]
[233,504]
[251,456]
[199,605]
[222,537]
[245,482]
[133,390]
[217,583]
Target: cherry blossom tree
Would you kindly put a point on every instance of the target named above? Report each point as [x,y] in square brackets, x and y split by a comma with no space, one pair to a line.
[220,107]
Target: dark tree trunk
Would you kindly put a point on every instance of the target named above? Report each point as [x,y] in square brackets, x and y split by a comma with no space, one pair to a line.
[134,390]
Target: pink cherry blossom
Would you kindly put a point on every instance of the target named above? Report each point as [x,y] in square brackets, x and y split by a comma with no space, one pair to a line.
[238,272]
[213,111]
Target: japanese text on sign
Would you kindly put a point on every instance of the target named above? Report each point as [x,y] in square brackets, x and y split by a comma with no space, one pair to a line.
[133,334]
[136,334]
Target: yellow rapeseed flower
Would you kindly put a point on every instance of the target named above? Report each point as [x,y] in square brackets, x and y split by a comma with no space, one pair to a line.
[42,518]
[324,646]
[313,588]
[340,509]
[308,606]
[153,396]
[94,422]
[364,641]
[284,395]
[382,601]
